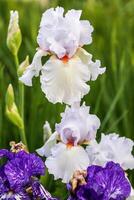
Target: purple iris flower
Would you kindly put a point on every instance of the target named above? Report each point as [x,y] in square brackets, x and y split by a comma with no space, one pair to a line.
[18,176]
[108,183]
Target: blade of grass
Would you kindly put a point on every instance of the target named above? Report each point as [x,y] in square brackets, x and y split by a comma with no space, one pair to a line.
[112,107]
[117,121]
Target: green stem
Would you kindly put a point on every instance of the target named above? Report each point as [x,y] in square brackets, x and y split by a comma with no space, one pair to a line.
[16,61]
[23,136]
[21,100]
[21,104]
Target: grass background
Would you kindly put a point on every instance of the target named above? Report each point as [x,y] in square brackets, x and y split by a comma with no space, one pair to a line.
[111,96]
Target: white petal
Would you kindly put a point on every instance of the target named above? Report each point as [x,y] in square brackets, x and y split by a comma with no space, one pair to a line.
[33,69]
[65,161]
[65,82]
[45,150]
[112,148]
[50,17]
[95,156]
[86,30]
[95,69]
[93,124]
[56,47]
[62,35]
[73,14]
[70,134]
[77,125]
[84,56]
[27,77]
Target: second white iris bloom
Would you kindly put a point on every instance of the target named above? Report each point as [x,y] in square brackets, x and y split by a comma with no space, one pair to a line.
[64,151]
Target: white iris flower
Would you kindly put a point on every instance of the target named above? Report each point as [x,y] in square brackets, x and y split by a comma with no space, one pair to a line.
[64,76]
[63,150]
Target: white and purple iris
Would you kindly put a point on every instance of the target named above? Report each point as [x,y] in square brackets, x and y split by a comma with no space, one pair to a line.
[63,77]
[18,177]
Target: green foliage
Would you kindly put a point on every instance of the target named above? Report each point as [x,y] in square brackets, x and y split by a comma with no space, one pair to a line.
[111,97]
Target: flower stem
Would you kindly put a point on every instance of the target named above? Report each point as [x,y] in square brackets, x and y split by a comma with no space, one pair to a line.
[23,137]
[21,104]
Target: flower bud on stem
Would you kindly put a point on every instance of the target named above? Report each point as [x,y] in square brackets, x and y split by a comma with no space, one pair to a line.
[13,113]
[14,34]
[14,40]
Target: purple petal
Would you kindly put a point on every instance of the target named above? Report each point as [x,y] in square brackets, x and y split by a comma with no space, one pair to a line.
[20,169]
[15,196]
[34,163]
[40,192]
[6,153]
[109,181]
[3,181]
[104,183]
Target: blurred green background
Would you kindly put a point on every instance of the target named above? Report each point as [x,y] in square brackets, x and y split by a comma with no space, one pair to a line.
[111,97]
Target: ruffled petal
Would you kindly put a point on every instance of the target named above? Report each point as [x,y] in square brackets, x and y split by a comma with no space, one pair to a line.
[65,81]
[15,196]
[62,35]
[77,125]
[95,68]
[27,77]
[6,153]
[108,182]
[84,56]
[86,30]
[73,14]
[93,124]
[56,47]
[65,161]
[3,181]
[39,192]
[112,148]
[45,150]
[51,16]
[33,69]
[20,169]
